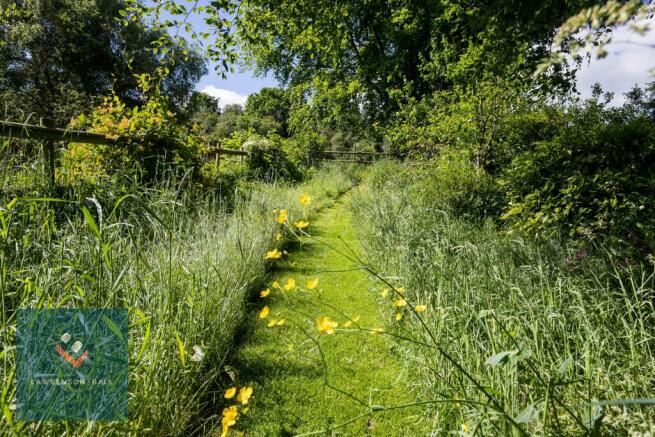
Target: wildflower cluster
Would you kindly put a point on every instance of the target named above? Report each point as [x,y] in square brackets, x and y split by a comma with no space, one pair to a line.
[282,218]
[231,413]
[400,304]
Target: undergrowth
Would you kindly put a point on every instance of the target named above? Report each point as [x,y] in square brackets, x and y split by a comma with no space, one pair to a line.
[519,336]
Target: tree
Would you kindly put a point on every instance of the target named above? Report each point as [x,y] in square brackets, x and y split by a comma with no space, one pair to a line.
[396,49]
[57,56]
[273,104]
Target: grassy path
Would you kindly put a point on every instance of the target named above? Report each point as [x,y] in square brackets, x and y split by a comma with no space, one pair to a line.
[285,366]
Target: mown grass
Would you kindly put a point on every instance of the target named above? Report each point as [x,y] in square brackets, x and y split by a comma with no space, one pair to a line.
[522,336]
[182,263]
[297,386]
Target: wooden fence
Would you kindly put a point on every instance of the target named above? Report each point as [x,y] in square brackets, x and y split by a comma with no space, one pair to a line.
[50,136]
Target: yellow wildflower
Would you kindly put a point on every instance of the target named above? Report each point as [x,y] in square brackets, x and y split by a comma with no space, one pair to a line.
[244,395]
[355,319]
[311,284]
[399,316]
[401,290]
[229,419]
[124,123]
[420,308]
[271,323]
[325,324]
[265,293]
[273,254]
[466,428]
[301,224]
[290,284]
[399,303]
[305,199]
[276,284]
[281,322]
[282,216]
[264,312]
[278,237]
[384,292]
[377,331]
[230,392]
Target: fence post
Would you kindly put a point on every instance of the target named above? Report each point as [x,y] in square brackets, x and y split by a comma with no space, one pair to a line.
[49,147]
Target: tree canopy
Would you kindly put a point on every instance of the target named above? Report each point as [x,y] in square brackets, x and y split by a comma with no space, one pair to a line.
[58,56]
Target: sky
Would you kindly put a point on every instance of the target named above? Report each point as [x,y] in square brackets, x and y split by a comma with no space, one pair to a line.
[629,62]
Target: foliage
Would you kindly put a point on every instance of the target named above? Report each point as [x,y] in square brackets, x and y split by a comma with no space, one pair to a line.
[150,139]
[531,326]
[268,160]
[592,176]
[183,266]
[88,52]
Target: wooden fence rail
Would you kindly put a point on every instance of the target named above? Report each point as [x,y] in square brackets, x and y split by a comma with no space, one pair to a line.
[51,135]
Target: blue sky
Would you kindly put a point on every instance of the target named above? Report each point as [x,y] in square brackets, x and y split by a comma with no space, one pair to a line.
[628,63]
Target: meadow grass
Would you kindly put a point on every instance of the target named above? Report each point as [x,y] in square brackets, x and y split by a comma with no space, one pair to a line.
[521,336]
[183,264]
[312,383]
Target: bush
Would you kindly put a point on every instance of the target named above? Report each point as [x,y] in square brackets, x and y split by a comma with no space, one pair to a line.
[269,161]
[152,142]
[593,178]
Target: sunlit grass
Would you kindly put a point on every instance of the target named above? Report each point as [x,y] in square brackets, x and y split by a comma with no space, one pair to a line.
[182,263]
[546,330]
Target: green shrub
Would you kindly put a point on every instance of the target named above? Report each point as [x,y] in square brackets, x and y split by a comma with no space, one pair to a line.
[593,178]
[268,160]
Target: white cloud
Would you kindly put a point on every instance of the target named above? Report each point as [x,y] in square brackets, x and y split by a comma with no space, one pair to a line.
[629,60]
[225,97]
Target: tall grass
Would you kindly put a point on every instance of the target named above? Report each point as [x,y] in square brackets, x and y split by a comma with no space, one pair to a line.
[547,334]
[181,262]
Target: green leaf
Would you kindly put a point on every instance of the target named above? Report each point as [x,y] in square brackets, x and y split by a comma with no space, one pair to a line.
[528,415]
[180,346]
[144,344]
[500,358]
[91,221]
[112,326]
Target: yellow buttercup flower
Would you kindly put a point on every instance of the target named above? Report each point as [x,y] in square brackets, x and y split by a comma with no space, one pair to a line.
[244,395]
[301,224]
[229,419]
[399,303]
[290,284]
[325,324]
[401,290]
[305,199]
[384,292]
[271,323]
[264,312]
[399,316]
[282,216]
[278,237]
[281,322]
[276,284]
[273,254]
[355,319]
[265,293]
[230,392]
[420,308]
[311,284]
